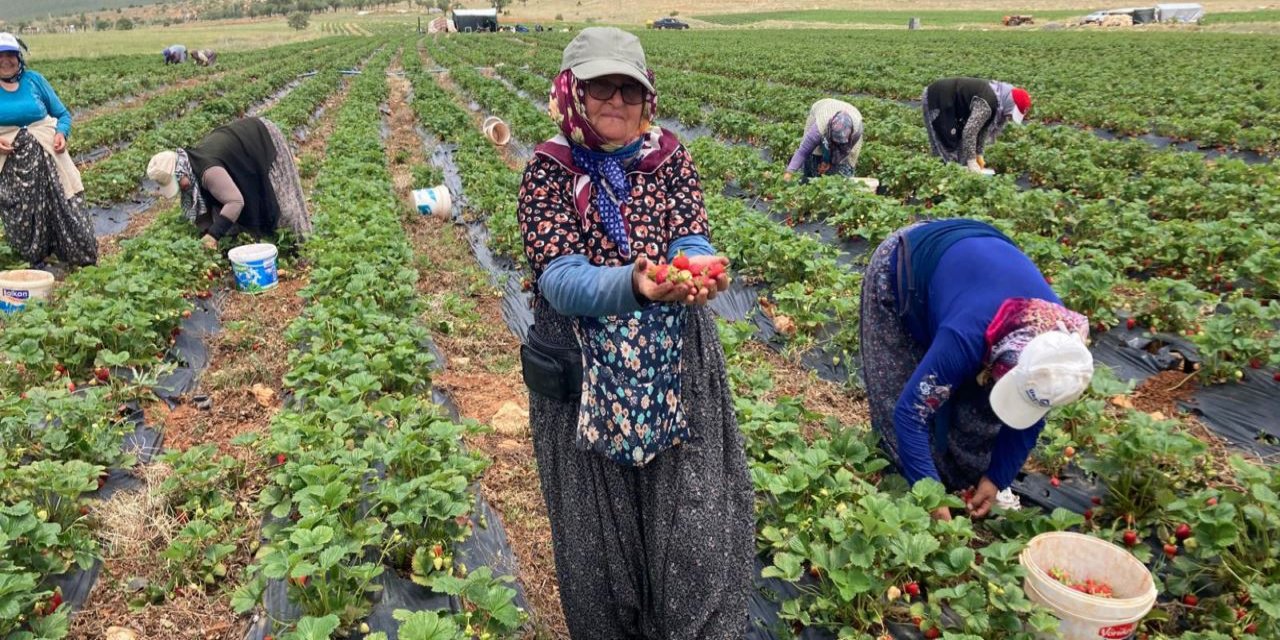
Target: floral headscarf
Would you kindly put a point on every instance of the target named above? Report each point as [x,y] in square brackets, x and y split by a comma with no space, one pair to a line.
[598,164]
[568,109]
[840,137]
[193,205]
[1018,321]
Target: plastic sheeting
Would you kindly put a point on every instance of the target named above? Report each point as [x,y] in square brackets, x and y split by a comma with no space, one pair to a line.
[111,220]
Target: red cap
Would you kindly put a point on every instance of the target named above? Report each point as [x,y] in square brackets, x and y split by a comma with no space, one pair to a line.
[1022,100]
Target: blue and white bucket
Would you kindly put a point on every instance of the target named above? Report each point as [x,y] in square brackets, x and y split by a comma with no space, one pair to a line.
[433,201]
[254,266]
[19,287]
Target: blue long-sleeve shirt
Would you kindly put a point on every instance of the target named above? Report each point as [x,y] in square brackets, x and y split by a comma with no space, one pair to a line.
[32,101]
[575,287]
[973,278]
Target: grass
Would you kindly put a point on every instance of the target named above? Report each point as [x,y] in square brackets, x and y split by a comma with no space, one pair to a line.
[1239,17]
[839,16]
[220,36]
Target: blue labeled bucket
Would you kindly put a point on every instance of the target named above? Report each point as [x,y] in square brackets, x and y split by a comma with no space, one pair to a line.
[17,288]
[254,266]
[433,201]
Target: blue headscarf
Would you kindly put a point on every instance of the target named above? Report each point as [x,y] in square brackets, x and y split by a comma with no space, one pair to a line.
[609,178]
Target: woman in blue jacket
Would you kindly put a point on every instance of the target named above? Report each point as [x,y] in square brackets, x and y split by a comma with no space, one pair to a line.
[965,349]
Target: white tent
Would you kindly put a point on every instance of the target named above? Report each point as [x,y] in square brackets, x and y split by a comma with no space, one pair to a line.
[1181,12]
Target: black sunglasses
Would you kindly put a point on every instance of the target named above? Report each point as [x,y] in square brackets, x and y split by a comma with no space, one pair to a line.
[602,90]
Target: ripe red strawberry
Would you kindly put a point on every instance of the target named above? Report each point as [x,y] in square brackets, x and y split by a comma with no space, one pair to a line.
[681,261]
[437,551]
[715,270]
[1097,501]
[911,588]
[1130,538]
[1255,363]
[1212,502]
[71,386]
[661,275]
[1170,550]
[1276,376]
[1055,481]
[1252,628]
[1190,600]
[301,581]
[55,600]
[60,368]
[1241,613]
[1069,452]
[933,633]
[102,373]
[280,458]
[1183,531]
[1130,323]
[1088,515]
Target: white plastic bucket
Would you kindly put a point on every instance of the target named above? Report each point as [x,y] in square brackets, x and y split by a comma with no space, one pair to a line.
[497,131]
[1082,557]
[21,286]
[870,184]
[254,266]
[433,201]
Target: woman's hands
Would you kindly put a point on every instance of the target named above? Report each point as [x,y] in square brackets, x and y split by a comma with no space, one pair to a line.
[209,242]
[692,293]
[978,501]
[6,147]
[59,142]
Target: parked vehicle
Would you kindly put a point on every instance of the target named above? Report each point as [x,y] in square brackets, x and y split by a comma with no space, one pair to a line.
[668,23]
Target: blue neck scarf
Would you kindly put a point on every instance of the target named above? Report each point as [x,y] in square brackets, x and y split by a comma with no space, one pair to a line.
[609,179]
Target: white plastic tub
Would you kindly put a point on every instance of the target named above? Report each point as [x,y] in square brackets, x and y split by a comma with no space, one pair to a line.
[433,201]
[19,287]
[254,266]
[1084,616]
[497,131]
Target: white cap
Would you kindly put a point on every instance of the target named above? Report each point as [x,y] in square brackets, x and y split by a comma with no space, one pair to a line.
[160,169]
[1018,115]
[1053,369]
[9,43]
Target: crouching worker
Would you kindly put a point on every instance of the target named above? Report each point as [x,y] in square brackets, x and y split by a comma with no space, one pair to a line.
[965,349]
[964,115]
[240,177]
[832,141]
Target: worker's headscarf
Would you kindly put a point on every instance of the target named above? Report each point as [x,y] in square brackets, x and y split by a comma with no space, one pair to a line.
[841,137]
[1018,322]
[193,204]
[16,46]
[597,163]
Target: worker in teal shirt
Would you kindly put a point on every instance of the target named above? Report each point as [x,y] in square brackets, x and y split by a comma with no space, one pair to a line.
[41,194]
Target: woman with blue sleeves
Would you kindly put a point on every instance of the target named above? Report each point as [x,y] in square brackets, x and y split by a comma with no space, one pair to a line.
[41,195]
[965,348]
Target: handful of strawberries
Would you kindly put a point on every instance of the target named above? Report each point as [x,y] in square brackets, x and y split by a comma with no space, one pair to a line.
[681,270]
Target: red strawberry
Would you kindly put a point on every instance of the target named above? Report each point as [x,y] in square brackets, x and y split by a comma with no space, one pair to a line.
[661,276]
[186,314]
[1088,515]
[280,458]
[102,373]
[1241,613]
[1170,550]
[437,551]
[933,633]
[1097,501]
[1055,481]
[1252,628]
[71,386]
[1069,452]
[1130,538]
[911,588]
[1131,323]
[715,270]
[1183,531]
[1255,363]
[301,581]
[55,601]
[1212,502]
[1190,600]
[681,261]
[1276,376]
[60,368]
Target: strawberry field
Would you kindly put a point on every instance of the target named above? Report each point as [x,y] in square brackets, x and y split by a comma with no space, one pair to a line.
[354,503]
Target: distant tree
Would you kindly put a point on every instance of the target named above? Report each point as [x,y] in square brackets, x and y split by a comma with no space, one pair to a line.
[124,24]
[500,4]
[102,24]
[299,20]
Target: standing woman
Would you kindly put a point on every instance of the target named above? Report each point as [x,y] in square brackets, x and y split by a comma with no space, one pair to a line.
[41,195]
[240,177]
[963,115]
[640,458]
[832,141]
[965,348]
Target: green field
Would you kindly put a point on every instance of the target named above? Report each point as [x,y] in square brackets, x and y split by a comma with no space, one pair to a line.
[837,16]
[12,10]
[1240,17]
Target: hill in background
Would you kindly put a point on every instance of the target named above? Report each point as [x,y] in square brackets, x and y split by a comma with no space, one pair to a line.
[14,10]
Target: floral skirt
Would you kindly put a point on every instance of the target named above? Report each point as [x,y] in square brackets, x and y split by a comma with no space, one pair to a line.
[39,220]
[660,551]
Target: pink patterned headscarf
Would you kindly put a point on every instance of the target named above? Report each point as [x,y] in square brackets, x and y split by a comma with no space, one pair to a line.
[568,109]
[1018,321]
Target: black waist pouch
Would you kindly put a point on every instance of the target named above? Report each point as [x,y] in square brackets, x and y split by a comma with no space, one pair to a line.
[551,370]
